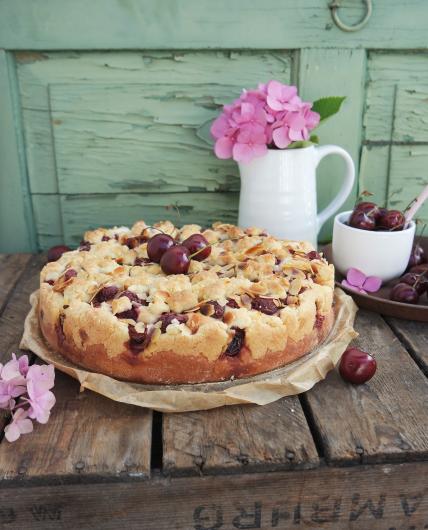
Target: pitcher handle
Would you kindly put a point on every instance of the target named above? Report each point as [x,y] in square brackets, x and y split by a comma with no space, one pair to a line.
[347,185]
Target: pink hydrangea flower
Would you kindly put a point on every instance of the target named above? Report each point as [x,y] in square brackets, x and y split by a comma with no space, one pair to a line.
[281,97]
[40,379]
[12,379]
[20,424]
[26,392]
[273,115]
[358,281]
[250,143]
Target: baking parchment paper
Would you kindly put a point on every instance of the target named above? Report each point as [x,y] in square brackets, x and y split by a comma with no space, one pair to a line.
[294,378]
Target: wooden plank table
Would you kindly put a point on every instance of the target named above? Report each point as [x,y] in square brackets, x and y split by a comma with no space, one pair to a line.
[339,456]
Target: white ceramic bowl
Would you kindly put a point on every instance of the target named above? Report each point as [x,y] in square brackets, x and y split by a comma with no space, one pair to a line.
[383,254]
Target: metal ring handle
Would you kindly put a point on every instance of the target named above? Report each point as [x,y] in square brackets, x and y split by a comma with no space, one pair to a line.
[334,6]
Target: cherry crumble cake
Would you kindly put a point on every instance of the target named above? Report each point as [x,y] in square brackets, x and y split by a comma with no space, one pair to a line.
[167,305]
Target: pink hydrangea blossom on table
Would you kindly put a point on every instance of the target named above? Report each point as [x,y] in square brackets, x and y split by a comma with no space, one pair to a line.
[356,280]
[25,391]
[271,116]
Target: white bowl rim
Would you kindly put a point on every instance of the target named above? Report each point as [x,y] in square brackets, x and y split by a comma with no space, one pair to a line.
[339,219]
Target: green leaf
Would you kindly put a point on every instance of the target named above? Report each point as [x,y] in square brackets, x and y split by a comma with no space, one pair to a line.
[327,107]
[299,144]
[314,139]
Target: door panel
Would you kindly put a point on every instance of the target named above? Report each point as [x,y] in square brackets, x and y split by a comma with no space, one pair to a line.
[395,150]
[132,125]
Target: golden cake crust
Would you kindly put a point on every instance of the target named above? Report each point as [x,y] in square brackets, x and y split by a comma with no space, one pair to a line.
[255,304]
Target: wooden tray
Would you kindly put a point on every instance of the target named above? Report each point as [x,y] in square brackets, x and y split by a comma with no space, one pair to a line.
[380,302]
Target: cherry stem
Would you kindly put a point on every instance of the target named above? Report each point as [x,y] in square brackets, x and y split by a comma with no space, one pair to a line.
[200,250]
[416,204]
[420,277]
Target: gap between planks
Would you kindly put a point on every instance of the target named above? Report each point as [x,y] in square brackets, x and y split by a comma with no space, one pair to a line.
[87,434]
[383,420]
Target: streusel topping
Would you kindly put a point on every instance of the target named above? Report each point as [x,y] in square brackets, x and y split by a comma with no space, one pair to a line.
[252,286]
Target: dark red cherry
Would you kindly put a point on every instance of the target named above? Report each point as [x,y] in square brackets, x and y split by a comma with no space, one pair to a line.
[418,281]
[370,208]
[420,269]
[264,305]
[167,319]
[392,220]
[235,345]
[362,221]
[139,341]
[142,261]
[158,245]
[175,260]
[213,309]
[404,293]
[54,253]
[313,254]
[417,256]
[135,241]
[357,366]
[232,303]
[129,313]
[85,246]
[106,293]
[195,243]
[132,296]
[69,273]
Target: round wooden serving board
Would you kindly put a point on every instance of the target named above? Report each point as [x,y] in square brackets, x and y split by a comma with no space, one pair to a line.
[379,301]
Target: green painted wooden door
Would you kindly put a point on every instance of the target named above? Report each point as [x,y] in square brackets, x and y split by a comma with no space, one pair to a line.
[105,106]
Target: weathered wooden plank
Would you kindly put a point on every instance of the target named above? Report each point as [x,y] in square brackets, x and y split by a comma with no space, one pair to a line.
[149,143]
[15,310]
[238,439]
[384,419]
[401,77]
[17,307]
[374,172]
[414,335]
[11,268]
[356,498]
[81,212]
[121,123]
[346,76]
[48,219]
[74,440]
[143,24]
[15,205]
[408,176]
[87,435]
[395,174]
[411,120]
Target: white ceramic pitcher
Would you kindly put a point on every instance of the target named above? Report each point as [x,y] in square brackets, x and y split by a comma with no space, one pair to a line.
[278,192]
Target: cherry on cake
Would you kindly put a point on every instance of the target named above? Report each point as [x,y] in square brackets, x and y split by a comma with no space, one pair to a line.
[169,305]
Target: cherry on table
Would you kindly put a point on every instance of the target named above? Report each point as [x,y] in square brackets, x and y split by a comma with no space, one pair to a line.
[54,253]
[197,244]
[175,260]
[357,366]
[361,220]
[404,293]
[158,245]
